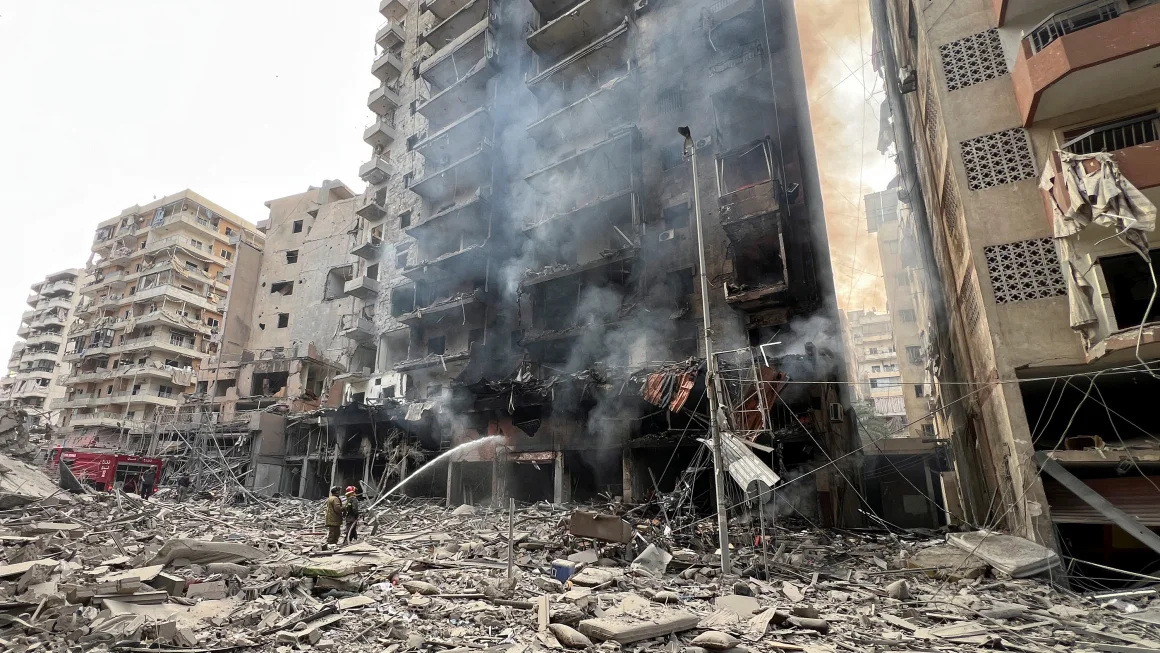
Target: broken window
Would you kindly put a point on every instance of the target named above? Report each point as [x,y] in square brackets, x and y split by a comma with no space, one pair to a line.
[744,169]
[292,256]
[434,390]
[373,271]
[401,252]
[402,300]
[405,219]
[676,217]
[336,281]
[886,382]
[914,355]
[436,345]
[211,322]
[928,430]
[283,320]
[874,369]
[297,226]
[672,155]
[227,255]
[474,336]
[1130,287]
[907,315]
[919,390]
[283,287]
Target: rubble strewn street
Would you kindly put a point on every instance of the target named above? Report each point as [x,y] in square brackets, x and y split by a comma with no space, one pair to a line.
[113,572]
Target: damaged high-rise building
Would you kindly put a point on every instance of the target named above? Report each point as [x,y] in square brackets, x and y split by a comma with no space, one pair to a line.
[1027,136]
[531,228]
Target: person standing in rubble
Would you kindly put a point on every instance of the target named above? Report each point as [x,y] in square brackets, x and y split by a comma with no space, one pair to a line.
[350,515]
[333,517]
[182,487]
[147,481]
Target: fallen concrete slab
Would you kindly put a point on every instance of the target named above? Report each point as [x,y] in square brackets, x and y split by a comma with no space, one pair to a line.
[625,629]
[201,552]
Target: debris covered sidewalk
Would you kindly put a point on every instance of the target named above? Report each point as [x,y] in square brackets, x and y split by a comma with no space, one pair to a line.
[113,572]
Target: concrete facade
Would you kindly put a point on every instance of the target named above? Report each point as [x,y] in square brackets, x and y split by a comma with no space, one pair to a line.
[37,367]
[158,305]
[873,365]
[994,293]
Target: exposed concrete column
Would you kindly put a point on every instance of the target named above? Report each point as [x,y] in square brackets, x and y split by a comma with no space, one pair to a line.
[626,473]
[334,466]
[451,469]
[558,480]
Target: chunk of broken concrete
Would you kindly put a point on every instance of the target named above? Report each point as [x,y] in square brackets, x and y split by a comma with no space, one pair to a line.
[420,587]
[715,640]
[898,590]
[569,637]
[211,590]
[626,629]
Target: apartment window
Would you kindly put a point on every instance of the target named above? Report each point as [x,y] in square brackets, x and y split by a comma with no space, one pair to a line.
[373,271]
[401,253]
[873,350]
[436,345]
[405,219]
[434,390]
[886,382]
[297,226]
[282,287]
[902,279]
[1130,288]
[212,322]
[196,244]
[283,320]
[227,255]
[676,217]
[164,391]
[919,390]
[875,369]
[907,315]
[928,430]
[229,232]
[474,336]
[743,169]
[914,355]
[292,256]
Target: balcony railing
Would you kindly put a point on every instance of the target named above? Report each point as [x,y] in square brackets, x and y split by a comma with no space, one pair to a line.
[1116,136]
[1074,19]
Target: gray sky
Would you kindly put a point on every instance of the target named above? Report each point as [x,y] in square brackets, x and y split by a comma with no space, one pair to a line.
[109,103]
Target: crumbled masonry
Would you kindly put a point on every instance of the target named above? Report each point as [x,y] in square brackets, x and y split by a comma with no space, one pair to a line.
[112,572]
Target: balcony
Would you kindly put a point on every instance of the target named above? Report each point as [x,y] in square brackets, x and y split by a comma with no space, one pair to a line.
[61,303]
[582,71]
[457,139]
[358,328]
[30,391]
[468,212]
[395,10]
[32,299]
[27,316]
[472,171]
[589,116]
[390,35]
[467,306]
[464,95]
[455,264]
[40,338]
[143,396]
[368,248]
[177,293]
[1090,54]
[387,67]
[107,420]
[1133,142]
[583,23]
[381,133]
[601,170]
[181,346]
[376,171]
[371,208]
[383,100]
[64,286]
[460,18]
[365,288]
[534,278]
[431,360]
[457,58]
[442,9]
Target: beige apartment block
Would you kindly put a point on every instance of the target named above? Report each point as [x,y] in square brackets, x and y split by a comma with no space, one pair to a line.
[903,279]
[158,305]
[873,366]
[36,367]
[1040,326]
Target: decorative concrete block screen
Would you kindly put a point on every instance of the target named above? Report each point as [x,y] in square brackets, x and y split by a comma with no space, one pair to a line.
[973,59]
[1027,269]
[995,159]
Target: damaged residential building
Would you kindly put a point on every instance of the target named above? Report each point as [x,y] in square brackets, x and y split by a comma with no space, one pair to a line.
[531,218]
[36,367]
[1031,221]
[158,306]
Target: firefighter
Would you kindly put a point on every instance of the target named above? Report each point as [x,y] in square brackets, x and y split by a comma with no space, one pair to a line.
[350,515]
[333,517]
[147,481]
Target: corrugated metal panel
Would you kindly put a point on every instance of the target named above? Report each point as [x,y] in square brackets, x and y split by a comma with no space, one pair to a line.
[742,464]
[1134,495]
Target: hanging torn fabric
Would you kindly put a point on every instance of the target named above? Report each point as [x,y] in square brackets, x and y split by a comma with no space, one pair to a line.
[1086,189]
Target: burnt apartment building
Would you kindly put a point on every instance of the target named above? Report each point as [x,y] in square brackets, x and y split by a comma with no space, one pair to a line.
[530,215]
[1029,223]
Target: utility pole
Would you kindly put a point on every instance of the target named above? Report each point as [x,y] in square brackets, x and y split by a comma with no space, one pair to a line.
[710,365]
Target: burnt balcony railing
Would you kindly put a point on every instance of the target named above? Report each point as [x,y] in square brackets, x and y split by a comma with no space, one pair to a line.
[1119,135]
[1076,18]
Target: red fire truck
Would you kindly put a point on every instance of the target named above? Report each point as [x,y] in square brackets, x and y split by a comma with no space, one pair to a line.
[102,470]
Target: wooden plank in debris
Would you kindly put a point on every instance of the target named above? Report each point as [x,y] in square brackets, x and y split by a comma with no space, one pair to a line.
[602,527]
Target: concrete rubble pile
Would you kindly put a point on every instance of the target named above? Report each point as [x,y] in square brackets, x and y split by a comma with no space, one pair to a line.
[111,572]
